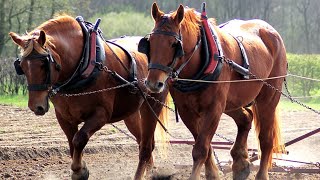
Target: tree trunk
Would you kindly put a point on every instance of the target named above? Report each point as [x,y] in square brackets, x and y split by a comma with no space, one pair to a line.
[2,29]
[30,19]
[303,9]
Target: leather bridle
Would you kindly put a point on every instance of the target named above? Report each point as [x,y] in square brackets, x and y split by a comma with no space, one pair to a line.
[48,60]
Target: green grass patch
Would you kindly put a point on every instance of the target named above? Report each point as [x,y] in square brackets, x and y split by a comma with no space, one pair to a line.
[16,100]
[288,105]
[22,101]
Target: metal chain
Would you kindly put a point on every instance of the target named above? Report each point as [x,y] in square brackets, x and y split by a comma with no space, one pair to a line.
[218,161]
[125,133]
[274,88]
[287,96]
[172,110]
[158,101]
[97,91]
[225,138]
[287,88]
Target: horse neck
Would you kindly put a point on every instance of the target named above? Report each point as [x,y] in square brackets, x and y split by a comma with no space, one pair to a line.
[67,51]
[190,40]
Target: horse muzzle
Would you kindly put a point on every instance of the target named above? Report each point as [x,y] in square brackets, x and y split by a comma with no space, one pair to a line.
[40,108]
[155,87]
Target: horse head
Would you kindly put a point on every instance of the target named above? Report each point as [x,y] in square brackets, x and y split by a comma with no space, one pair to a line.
[165,48]
[46,58]
[35,64]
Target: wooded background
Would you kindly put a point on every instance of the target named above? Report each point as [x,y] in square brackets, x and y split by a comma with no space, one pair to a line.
[298,22]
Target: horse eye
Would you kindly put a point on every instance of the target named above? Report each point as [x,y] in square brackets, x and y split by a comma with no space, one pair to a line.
[43,64]
[174,45]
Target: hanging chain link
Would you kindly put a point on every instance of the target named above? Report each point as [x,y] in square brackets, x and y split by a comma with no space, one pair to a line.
[97,91]
[276,89]
[225,138]
[286,95]
[124,132]
[217,160]
[158,101]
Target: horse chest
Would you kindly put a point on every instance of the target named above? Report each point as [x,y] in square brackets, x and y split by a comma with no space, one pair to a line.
[121,109]
[76,109]
[186,102]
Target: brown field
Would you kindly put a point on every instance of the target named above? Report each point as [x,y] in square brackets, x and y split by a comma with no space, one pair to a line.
[33,147]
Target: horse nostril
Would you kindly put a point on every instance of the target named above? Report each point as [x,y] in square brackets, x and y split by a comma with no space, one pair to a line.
[154,86]
[40,109]
[160,85]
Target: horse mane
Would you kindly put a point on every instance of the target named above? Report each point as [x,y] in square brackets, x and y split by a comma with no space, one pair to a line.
[192,21]
[51,27]
[29,48]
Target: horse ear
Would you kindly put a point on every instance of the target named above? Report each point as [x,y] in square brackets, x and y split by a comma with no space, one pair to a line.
[16,39]
[155,12]
[42,38]
[180,14]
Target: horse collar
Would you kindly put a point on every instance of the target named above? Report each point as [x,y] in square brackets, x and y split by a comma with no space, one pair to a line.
[87,69]
[207,71]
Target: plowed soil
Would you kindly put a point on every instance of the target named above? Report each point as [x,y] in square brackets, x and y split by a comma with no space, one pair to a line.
[34,147]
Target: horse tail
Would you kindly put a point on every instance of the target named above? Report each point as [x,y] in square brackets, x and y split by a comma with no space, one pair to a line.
[278,147]
[161,136]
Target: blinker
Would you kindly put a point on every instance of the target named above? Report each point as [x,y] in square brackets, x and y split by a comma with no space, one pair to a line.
[144,47]
[17,67]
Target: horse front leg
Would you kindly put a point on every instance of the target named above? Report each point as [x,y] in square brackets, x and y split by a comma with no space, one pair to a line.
[202,152]
[69,130]
[81,138]
[147,143]
[133,124]
[211,169]
[239,152]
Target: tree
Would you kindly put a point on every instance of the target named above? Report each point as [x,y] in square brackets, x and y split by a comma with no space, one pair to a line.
[20,15]
[9,11]
[303,8]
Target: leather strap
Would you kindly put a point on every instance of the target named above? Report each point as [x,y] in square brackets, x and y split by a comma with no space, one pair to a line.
[161,67]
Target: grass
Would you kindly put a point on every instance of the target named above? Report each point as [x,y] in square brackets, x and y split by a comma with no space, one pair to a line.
[22,101]
[15,100]
[288,105]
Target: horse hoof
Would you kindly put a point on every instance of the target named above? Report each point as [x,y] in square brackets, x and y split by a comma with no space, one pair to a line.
[242,175]
[82,174]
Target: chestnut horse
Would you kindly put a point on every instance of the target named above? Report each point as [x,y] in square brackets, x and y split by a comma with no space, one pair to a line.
[172,48]
[51,54]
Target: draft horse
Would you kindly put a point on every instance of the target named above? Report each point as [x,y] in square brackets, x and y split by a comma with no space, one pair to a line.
[172,48]
[50,57]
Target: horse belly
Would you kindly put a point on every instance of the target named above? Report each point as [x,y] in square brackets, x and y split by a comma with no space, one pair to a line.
[240,95]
